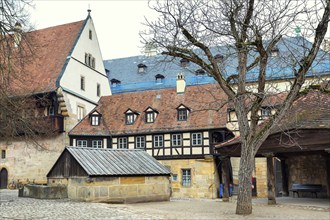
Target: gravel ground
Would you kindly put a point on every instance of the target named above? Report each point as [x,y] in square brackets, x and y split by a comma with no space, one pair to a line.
[13,207]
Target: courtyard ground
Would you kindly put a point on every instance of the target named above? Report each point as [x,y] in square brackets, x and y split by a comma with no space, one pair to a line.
[14,207]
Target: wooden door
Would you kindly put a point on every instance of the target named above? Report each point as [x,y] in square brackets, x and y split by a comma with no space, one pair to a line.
[3,178]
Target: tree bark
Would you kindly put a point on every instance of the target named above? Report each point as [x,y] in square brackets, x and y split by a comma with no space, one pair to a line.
[271,180]
[244,199]
[225,179]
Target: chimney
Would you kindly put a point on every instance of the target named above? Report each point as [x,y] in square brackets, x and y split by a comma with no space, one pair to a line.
[17,34]
[180,83]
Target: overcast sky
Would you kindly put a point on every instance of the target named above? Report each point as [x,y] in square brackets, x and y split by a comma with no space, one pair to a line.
[117,22]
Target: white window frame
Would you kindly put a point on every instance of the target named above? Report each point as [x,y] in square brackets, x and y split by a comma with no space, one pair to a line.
[122,143]
[81,143]
[140,142]
[176,140]
[95,120]
[80,112]
[150,117]
[130,119]
[97,143]
[196,139]
[186,177]
[182,114]
[158,141]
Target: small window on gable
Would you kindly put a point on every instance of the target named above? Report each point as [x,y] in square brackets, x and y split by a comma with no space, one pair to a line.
[184,62]
[90,35]
[150,115]
[95,118]
[82,83]
[182,112]
[89,60]
[141,68]
[130,116]
[159,78]
[98,89]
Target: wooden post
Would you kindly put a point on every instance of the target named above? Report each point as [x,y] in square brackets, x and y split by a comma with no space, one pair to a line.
[225,178]
[285,186]
[270,179]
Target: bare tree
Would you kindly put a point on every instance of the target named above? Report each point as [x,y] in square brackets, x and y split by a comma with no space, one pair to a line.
[22,110]
[243,33]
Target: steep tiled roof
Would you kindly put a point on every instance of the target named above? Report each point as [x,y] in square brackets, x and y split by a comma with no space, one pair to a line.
[47,50]
[203,101]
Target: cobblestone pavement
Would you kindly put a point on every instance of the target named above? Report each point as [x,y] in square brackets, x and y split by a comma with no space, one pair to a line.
[14,207]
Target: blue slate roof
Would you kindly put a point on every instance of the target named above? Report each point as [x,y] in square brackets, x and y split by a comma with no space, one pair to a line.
[126,69]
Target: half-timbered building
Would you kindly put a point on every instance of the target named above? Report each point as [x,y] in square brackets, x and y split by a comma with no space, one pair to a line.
[176,126]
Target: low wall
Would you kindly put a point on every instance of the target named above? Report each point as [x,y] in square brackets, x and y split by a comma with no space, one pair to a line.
[43,192]
[117,189]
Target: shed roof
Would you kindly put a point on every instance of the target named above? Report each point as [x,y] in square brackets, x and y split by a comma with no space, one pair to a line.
[117,162]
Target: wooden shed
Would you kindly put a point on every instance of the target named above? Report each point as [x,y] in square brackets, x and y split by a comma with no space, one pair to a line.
[108,175]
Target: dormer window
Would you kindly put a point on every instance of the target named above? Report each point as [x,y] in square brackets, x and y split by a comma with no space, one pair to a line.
[183,112]
[184,62]
[200,72]
[159,78]
[218,58]
[115,82]
[130,116]
[95,118]
[150,114]
[274,52]
[265,112]
[141,68]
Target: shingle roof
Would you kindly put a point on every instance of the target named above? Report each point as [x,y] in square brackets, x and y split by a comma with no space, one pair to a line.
[203,101]
[48,50]
[117,162]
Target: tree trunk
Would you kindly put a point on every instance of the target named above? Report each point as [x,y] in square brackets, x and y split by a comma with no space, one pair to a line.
[244,200]
[225,179]
[271,180]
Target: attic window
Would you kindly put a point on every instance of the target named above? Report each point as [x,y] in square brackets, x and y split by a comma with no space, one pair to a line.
[184,62]
[265,112]
[89,60]
[274,52]
[182,112]
[115,82]
[159,78]
[141,68]
[130,116]
[150,115]
[95,120]
[218,58]
[200,72]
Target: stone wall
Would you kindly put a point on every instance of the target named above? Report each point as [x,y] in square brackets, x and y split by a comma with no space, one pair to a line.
[117,189]
[31,160]
[308,169]
[204,178]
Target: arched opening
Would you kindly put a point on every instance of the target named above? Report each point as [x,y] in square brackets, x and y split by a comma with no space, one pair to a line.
[3,178]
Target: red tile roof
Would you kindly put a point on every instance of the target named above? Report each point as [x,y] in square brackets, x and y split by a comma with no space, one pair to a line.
[203,101]
[44,54]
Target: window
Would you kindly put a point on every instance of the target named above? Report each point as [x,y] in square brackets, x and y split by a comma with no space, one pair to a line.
[3,154]
[186,177]
[82,83]
[176,140]
[90,35]
[97,144]
[51,110]
[93,63]
[174,177]
[159,78]
[158,141]
[232,115]
[122,143]
[95,120]
[265,112]
[140,142]
[81,143]
[182,115]
[89,60]
[150,117]
[98,90]
[184,62]
[129,119]
[196,139]
[80,112]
